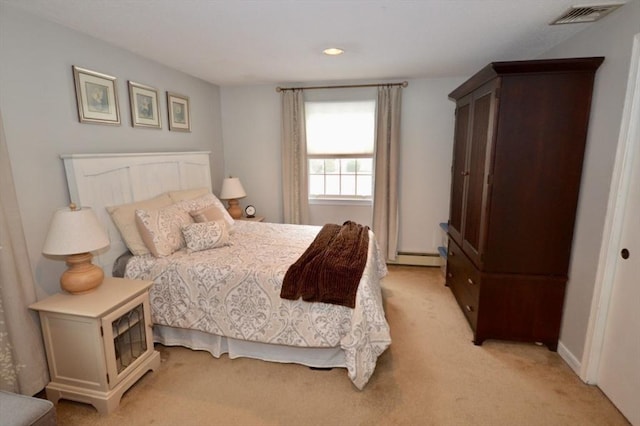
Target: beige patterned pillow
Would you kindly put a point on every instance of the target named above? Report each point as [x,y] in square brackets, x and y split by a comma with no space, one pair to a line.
[124,217]
[207,214]
[204,201]
[187,194]
[161,229]
[206,235]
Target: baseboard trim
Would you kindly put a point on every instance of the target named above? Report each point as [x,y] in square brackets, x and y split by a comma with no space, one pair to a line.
[417,259]
[569,358]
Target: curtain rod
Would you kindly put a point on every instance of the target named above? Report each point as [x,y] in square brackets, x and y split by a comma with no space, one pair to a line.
[346,86]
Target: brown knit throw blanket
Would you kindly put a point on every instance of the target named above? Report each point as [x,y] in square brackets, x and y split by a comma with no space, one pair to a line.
[330,269]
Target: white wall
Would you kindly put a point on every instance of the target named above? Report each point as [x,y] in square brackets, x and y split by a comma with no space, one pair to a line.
[251,134]
[612,38]
[40,118]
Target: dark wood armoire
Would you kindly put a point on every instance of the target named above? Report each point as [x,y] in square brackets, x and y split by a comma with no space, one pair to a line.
[520,133]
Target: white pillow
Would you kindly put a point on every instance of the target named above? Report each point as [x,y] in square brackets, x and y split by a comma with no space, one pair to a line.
[206,235]
[161,229]
[124,217]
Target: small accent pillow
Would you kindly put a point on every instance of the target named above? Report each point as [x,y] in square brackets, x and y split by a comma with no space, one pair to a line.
[206,235]
[207,214]
[161,229]
[204,201]
[124,217]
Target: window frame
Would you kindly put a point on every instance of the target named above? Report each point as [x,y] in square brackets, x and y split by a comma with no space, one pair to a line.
[340,197]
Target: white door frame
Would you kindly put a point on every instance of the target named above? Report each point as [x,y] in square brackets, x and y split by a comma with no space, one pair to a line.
[609,251]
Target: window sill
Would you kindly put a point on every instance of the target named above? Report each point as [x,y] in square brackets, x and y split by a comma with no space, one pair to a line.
[339,202]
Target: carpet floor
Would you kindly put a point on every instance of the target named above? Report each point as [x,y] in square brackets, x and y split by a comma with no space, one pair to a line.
[432,374]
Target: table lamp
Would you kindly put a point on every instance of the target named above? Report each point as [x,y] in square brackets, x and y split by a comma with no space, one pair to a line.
[232,190]
[75,233]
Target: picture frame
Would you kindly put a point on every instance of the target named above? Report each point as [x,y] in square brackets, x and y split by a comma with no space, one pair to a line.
[96,97]
[179,112]
[145,107]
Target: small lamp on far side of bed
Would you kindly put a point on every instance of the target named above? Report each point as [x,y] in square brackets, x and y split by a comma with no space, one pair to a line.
[232,190]
[75,233]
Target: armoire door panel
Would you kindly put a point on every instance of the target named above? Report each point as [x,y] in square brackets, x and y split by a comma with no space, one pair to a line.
[478,152]
[459,169]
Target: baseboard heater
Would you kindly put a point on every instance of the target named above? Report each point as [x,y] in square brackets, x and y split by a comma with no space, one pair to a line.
[417,259]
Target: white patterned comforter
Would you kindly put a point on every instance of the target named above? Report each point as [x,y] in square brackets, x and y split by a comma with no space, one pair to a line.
[234,291]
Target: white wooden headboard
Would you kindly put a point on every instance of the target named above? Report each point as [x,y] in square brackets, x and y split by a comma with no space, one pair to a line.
[102,180]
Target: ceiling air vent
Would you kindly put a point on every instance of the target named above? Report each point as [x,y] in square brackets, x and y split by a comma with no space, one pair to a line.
[580,14]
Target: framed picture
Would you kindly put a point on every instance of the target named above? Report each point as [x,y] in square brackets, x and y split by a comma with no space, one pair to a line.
[145,108]
[97,97]
[179,114]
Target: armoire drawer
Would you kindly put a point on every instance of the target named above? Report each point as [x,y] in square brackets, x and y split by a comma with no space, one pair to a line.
[464,281]
[461,271]
[469,305]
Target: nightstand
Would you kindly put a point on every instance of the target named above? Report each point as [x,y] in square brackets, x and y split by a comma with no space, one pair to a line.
[252,219]
[98,344]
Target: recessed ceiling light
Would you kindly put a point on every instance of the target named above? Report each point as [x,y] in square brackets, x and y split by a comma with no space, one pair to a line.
[333,51]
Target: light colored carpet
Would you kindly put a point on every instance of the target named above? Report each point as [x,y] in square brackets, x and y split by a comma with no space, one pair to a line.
[431,375]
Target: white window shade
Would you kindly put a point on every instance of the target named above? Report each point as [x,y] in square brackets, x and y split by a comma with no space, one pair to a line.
[340,128]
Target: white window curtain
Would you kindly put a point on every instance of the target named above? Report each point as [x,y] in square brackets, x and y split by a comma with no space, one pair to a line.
[23,365]
[385,198]
[295,186]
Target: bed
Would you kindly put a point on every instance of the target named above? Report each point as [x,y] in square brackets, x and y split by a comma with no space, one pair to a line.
[227,299]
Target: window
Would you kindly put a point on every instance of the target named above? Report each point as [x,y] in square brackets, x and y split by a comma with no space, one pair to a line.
[340,145]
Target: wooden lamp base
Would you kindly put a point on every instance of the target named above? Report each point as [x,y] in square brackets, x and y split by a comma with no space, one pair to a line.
[82,275]
[234,209]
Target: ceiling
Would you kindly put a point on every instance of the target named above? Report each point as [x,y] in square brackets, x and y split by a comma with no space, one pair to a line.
[240,42]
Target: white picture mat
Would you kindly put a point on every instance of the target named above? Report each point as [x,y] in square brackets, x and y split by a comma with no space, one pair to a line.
[111,113]
[136,89]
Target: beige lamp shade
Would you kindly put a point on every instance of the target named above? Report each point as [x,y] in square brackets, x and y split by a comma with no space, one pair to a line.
[74,233]
[232,190]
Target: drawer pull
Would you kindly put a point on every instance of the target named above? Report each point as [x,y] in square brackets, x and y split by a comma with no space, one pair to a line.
[470,281]
[449,274]
[451,254]
[468,308]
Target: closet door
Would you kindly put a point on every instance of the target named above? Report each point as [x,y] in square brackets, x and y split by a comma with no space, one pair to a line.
[479,159]
[618,371]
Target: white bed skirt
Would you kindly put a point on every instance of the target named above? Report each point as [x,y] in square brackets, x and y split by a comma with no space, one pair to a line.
[218,345]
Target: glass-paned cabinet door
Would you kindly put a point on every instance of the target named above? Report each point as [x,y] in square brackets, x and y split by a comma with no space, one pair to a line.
[127,338]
